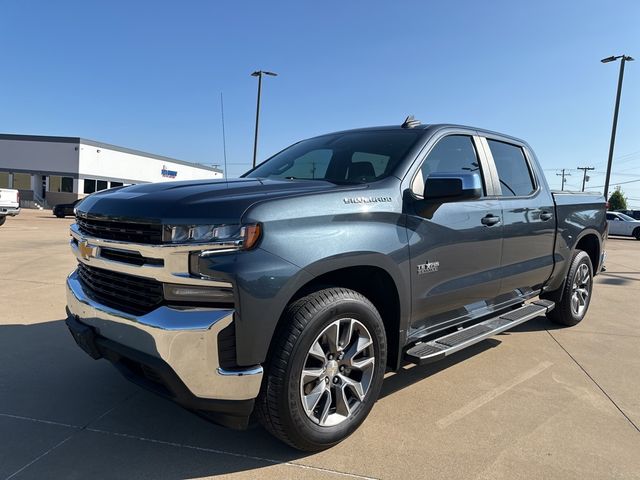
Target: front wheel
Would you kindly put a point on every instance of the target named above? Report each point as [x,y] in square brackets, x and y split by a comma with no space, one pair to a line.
[325,371]
[2,220]
[576,295]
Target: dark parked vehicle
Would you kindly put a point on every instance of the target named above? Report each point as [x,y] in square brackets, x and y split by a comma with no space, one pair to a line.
[635,214]
[287,293]
[63,209]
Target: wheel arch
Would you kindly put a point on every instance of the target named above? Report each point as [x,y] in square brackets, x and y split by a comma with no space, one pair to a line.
[589,241]
[366,274]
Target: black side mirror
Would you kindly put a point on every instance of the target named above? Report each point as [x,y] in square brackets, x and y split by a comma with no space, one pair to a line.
[452,187]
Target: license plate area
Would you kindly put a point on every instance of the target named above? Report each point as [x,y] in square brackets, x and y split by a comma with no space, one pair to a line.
[84,336]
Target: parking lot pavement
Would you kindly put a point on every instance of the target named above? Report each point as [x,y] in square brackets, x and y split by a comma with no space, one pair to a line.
[535,402]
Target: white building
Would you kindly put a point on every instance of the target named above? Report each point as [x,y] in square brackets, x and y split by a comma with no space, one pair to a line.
[52,170]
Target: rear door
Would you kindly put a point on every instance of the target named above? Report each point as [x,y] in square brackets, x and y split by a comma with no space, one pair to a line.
[528,216]
[455,254]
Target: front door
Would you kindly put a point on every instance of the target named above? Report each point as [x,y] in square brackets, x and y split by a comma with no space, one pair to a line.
[455,247]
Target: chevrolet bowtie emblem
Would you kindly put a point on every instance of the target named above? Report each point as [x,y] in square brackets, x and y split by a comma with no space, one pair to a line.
[86,250]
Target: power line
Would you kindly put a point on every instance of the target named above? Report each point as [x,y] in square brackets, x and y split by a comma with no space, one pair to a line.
[617,183]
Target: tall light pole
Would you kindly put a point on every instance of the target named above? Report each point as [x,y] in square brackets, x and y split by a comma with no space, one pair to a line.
[613,58]
[259,74]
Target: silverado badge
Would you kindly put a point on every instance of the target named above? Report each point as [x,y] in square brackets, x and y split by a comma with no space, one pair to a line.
[428,267]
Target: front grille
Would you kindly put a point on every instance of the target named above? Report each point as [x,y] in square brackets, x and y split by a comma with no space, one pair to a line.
[127,293]
[132,258]
[123,231]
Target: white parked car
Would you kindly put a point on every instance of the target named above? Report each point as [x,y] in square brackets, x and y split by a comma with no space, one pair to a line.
[621,224]
[9,203]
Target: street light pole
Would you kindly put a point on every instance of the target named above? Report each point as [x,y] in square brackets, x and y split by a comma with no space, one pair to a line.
[625,58]
[259,74]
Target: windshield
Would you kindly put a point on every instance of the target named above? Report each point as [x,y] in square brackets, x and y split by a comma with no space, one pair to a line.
[626,218]
[352,157]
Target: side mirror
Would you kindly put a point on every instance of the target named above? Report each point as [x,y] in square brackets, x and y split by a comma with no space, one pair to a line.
[452,187]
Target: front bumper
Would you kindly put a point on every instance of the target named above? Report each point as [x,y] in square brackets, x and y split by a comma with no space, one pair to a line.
[178,346]
[11,211]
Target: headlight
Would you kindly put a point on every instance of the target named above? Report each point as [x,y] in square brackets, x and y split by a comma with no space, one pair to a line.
[236,236]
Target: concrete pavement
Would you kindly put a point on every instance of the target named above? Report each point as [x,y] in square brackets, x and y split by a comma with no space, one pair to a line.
[535,402]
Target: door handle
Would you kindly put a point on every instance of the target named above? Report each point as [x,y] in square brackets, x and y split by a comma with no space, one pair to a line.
[545,216]
[490,220]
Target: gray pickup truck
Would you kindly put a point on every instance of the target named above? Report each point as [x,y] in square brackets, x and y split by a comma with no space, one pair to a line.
[286,294]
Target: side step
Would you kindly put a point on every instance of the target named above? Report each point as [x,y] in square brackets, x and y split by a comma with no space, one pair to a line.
[439,348]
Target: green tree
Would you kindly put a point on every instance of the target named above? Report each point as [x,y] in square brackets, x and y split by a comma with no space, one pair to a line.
[617,201]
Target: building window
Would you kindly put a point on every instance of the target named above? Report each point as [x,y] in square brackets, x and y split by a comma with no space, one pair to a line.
[116,184]
[89,185]
[66,185]
[22,181]
[54,183]
[101,185]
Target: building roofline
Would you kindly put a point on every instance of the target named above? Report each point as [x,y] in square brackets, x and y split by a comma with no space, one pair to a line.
[93,143]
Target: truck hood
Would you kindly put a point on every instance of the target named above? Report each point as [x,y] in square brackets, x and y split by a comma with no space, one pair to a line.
[195,202]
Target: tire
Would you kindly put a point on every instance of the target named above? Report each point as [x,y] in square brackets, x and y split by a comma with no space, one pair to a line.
[636,233]
[577,291]
[2,220]
[59,215]
[338,410]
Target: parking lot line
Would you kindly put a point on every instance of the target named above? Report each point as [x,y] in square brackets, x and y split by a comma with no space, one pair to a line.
[491,395]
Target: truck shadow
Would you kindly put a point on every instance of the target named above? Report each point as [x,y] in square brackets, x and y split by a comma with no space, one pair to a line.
[410,374]
[45,377]
[617,278]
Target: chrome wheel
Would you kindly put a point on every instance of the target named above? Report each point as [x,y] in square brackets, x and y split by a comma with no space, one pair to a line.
[581,289]
[337,372]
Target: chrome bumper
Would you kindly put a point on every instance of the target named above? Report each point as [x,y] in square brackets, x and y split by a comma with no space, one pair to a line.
[11,211]
[187,340]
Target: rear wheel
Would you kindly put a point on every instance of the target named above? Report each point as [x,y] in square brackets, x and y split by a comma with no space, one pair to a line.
[326,369]
[636,233]
[576,295]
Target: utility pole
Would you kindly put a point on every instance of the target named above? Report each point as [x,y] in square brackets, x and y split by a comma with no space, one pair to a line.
[563,175]
[613,58]
[584,174]
[259,74]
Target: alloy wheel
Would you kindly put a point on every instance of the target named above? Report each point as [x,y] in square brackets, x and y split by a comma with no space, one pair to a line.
[581,290]
[337,372]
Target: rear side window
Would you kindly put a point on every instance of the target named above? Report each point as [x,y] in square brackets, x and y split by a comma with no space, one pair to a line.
[452,154]
[513,170]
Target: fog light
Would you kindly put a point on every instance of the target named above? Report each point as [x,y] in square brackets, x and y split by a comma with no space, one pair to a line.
[191,293]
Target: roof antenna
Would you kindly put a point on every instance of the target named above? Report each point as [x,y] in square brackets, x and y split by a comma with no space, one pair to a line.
[224,137]
[410,122]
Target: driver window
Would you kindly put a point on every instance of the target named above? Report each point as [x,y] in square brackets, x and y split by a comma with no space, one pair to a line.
[452,154]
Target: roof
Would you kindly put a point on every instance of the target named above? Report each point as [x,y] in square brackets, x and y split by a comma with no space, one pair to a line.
[85,141]
[424,127]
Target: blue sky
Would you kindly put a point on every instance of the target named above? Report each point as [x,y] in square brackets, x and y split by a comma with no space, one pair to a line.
[148,74]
